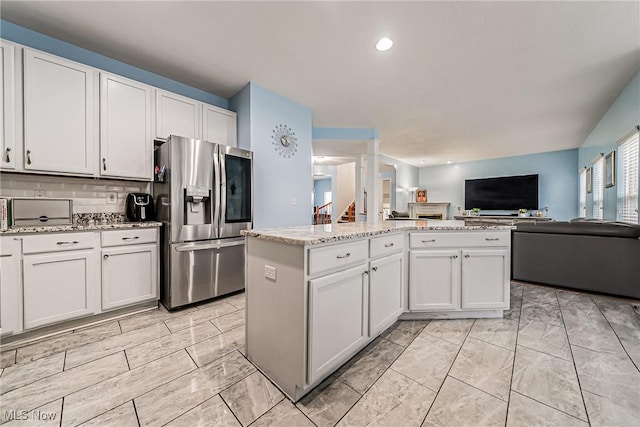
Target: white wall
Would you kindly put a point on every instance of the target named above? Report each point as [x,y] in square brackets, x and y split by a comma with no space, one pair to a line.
[346,182]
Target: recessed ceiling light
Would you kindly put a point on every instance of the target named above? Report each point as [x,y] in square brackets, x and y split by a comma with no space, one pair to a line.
[384,43]
[448,162]
[421,161]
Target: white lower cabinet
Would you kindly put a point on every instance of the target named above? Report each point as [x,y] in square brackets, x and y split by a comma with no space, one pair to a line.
[385,292]
[434,280]
[10,286]
[459,279]
[129,275]
[58,286]
[485,279]
[337,319]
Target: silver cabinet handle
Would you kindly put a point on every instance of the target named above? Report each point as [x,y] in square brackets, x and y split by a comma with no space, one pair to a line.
[374,268]
[388,245]
[347,255]
[28,157]
[466,256]
[365,272]
[491,239]
[429,241]
[105,256]
[7,151]
[131,238]
[75,242]
[454,256]
[104,164]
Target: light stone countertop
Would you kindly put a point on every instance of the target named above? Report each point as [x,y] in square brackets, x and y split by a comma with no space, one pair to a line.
[78,227]
[309,235]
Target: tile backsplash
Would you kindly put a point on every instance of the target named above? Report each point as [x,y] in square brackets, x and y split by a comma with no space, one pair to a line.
[89,195]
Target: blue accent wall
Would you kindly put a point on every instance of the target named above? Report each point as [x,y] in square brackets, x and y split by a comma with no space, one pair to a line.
[33,39]
[407,176]
[277,180]
[320,186]
[622,117]
[344,133]
[558,179]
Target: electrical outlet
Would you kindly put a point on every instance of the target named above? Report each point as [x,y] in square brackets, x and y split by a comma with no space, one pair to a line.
[39,193]
[112,198]
[293,201]
[270,272]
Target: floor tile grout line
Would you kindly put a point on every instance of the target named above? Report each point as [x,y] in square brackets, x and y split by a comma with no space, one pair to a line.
[126,359]
[490,343]
[545,353]
[61,412]
[135,410]
[616,334]
[409,378]
[231,410]
[513,366]
[447,374]
[548,406]
[573,361]
[506,402]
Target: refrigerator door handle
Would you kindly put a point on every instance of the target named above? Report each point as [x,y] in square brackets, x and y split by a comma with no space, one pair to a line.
[223,189]
[217,186]
[188,247]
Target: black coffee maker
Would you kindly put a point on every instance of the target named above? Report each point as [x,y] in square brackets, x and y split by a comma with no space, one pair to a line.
[139,207]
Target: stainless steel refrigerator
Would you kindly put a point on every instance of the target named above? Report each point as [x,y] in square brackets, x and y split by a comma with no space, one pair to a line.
[204,200]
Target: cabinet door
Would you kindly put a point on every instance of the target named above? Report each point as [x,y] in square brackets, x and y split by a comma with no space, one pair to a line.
[126,142]
[7,106]
[385,293]
[485,279]
[10,286]
[337,319]
[129,275]
[58,115]
[177,115]
[434,282]
[58,286]
[219,125]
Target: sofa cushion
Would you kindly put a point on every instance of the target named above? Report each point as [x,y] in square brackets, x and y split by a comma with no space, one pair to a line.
[584,227]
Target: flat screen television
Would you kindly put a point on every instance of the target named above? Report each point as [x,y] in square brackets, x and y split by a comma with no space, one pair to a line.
[503,193]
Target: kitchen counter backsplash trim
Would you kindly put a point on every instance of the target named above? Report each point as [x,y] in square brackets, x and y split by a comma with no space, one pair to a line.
[318,234]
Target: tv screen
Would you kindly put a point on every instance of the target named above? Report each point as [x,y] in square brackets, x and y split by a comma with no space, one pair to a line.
[504,193]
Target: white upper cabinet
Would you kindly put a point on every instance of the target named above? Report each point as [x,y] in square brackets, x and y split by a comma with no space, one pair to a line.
[58,115]
[177,115]
[126,139]
[219,125]
[7,106]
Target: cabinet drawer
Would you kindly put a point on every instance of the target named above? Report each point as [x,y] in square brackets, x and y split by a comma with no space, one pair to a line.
[129,237]
[458,240]
[57,242]
[386,245]
[342,255]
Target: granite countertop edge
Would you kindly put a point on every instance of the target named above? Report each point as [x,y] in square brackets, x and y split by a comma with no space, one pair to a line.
[77,227]
[316,235]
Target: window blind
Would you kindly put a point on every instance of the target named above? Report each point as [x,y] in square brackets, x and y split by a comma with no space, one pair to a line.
[582,206]
[628,154]
[598,189]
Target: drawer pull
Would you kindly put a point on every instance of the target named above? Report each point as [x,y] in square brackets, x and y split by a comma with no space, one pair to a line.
[429,241]
[455,256]
[388,245]
[75,242]
[347,255]
[131,238]
[8,157]
[466,256]
[374,268]
[105,256]
[28,157]
[492,239]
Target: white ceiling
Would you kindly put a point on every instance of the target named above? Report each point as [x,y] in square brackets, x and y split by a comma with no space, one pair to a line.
[464,80]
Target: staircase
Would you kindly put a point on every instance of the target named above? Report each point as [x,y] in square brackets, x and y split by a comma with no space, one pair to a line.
[349,214]
[321,214]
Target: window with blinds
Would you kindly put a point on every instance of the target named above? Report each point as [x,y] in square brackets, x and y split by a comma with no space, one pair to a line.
[582,205]
[628,170]
[598,189]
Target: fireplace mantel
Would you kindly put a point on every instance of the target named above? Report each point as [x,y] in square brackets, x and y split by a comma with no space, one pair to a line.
[429,210]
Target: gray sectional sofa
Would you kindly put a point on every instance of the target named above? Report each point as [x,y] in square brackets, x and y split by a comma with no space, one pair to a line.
[584,254]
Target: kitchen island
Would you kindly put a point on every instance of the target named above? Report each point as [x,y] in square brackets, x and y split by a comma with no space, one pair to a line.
[316,295]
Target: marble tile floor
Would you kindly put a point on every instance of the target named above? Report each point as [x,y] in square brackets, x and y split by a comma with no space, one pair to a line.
[557,358]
